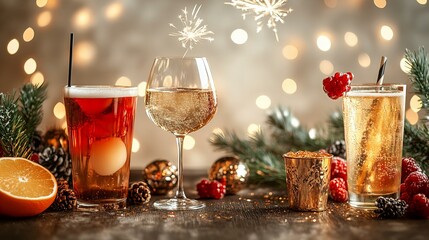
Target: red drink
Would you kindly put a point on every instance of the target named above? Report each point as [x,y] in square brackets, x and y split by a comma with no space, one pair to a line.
[100,122]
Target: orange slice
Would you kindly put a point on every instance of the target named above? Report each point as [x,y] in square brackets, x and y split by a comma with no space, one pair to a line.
[26,188]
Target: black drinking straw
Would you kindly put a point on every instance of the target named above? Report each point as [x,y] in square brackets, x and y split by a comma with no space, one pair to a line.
[70,59]
[380,77]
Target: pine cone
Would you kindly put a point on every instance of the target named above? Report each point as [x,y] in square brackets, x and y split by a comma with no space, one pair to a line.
[138,193]
[64,201]
[57,138]
[62,184]
[57,161]
[338,148]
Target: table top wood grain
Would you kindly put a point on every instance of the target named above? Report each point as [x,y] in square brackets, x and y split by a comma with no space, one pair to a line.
[259,213]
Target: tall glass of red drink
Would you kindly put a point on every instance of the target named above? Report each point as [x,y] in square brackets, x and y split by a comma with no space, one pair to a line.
[100,122]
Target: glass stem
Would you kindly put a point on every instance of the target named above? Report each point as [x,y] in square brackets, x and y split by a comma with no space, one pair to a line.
[180,193]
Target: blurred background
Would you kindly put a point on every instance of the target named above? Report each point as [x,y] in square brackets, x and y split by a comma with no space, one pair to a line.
[117,40]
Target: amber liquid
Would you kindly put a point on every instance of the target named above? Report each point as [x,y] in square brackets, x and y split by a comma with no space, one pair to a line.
[93,122]
[180,111]
[373,132]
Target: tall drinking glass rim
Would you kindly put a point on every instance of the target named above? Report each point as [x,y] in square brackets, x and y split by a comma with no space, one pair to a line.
[99,91]
[180,58]
[376,88]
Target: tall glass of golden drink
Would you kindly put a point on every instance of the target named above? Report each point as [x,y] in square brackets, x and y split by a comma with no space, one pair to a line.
[373,126]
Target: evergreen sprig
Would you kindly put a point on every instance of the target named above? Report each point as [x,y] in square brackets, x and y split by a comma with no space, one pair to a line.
[416,138]
[14,138]
[19,118]
[31,100]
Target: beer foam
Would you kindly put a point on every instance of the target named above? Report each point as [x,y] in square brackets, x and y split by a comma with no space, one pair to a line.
[100,92]
[374,94]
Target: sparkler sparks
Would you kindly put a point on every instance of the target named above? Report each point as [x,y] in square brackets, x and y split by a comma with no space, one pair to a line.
[192,31]
[271,9]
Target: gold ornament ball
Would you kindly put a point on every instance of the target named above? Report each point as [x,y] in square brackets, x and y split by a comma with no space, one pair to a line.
[161,176]
[232,170]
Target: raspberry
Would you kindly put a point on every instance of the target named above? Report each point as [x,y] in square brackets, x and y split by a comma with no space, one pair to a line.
[203,188]
[211,189]
[409,165]
[217,189]
[406,197]
[338,190]
[419,206]
[415,183]
[338,168]
[402,188]
[336,85]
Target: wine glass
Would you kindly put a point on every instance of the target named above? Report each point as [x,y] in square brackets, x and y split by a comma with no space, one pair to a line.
[180,98]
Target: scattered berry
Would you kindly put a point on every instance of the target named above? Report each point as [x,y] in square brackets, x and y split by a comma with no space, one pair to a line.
[338,148]
[419,206]
[211,189]
[416,183]
[390,207]
[335,86]
[409,165]
[339,168]
[338,190]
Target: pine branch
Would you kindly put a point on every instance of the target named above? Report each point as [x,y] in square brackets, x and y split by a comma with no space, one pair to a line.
[31,100]
[14,139]
[416,144]
[416,138]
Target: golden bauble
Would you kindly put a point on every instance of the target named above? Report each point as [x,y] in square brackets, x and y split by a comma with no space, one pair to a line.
[161,176]
[231,170]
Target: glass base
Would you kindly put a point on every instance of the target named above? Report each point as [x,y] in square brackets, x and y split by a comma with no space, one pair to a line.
[179,204]
[367,201]
[119,204]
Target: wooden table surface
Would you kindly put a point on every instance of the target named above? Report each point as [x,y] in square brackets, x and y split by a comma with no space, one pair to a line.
[252,214]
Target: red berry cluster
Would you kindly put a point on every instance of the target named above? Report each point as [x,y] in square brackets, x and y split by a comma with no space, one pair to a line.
[415,188]
[211,189]
[338,184]
[335,86]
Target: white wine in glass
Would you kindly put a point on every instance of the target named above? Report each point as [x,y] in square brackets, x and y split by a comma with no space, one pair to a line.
[180,98]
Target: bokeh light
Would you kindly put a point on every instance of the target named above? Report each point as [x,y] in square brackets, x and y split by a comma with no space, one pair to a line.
[351,39]
[364,60]
[135,147]
[404,66]
[114,10]
[323,43]
[326,67]
[312,133]
[289,86]
[380,3]
[44,19]
[295,122]
[30,66]
[84,53]
[142,89]
[252,129]
[239,36]
[386,32]
[422,2]
[415,103]
[290,52]
[263,102]
[188,143]
[37,79]
[59,110]
[28,34]
[13,46]
[123,81]
[411,116]
[41,3]
[82,19]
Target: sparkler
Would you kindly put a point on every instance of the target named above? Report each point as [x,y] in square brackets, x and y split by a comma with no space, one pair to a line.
[273,10]
[192,31]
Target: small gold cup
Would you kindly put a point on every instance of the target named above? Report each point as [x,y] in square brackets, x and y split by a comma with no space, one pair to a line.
[307,180]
